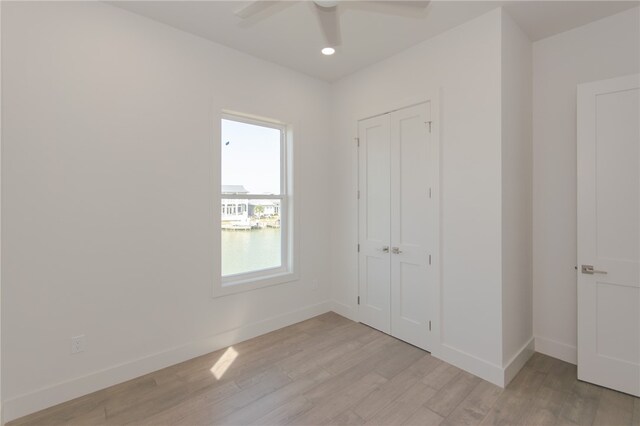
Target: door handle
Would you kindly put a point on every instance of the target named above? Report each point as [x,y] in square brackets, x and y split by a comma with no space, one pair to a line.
[385,249]
[396,250]
[588,269]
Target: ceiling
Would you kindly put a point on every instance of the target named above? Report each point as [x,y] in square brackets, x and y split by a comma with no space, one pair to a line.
[288,33]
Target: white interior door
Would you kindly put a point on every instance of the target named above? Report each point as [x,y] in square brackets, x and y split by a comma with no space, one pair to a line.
[374,221]
[412,219]
[609,233]
[396,223]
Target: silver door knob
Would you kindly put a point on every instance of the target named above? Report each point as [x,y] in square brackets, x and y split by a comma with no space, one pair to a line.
[588,269]
[396,250]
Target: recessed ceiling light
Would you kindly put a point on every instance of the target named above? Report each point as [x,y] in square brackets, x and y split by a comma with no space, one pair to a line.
[328,51]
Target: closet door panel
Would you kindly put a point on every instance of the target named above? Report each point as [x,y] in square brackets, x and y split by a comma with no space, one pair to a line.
[411,224]
[374,223]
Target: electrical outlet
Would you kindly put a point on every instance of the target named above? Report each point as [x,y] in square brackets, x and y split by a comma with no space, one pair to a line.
[78,344]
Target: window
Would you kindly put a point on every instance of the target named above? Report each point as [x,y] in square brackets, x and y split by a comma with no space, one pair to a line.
[256,220]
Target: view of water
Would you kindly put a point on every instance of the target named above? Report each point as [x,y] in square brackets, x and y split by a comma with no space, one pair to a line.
[251,250]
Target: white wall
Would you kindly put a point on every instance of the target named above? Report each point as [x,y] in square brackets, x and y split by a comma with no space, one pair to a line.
[109,183]
[517,298]
[465,63]
[603,49]
[1,400]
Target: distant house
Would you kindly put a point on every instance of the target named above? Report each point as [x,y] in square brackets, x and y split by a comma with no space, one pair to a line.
[240,210]
[261,208]
[234,210]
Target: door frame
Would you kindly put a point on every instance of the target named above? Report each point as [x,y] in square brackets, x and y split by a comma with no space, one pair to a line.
[433,97]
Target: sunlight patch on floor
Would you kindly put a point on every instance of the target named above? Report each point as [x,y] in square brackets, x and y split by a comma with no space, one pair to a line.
[225,361]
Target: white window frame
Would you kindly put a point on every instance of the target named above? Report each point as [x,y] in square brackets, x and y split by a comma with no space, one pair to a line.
[288,271]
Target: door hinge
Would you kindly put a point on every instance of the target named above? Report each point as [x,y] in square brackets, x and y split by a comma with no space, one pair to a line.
[358,300]
[429,192]
[428,123]
[429,259]
[358,194]
[358,248]
[429,325]
[357,142]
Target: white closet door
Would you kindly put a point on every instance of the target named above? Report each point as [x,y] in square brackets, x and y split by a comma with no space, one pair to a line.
[374,232]
[609,233]
[412,219]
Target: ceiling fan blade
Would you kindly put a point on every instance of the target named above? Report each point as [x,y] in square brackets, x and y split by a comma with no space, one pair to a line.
[406,8]
[330,24]
[416,4]
[255,7]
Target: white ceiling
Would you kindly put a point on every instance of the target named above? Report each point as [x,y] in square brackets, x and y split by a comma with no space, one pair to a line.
[288,32]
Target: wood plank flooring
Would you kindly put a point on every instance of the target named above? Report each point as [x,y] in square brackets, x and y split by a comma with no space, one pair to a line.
[329,370]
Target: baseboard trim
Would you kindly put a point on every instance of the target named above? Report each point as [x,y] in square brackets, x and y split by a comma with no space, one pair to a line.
[344,310]
[555,349]
[488,371]
[518,361]
[478,367]
[40,399]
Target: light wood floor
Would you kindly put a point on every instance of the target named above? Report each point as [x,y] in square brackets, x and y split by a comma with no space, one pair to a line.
[329,370]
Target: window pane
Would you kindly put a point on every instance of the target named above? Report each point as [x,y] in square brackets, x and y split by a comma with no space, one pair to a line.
[250,158]
[251,236]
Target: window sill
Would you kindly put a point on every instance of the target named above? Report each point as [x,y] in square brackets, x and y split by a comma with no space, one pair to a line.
[241,285]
